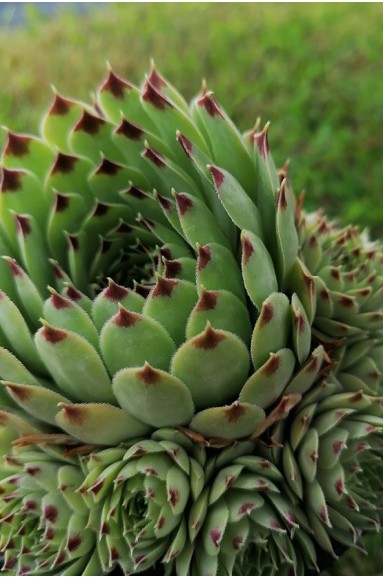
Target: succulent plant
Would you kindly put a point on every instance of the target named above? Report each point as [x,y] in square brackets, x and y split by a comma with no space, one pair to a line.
[191,365]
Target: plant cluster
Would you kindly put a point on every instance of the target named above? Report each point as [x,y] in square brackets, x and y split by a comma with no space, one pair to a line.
[191,364]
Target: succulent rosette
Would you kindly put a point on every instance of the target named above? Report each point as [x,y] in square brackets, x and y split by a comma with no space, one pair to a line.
[42,514]
[165,297]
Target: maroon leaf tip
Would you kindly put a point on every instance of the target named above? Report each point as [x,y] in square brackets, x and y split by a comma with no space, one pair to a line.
[17,145]
[130,130]
[154,156]
[53,335]
[247,248]
[234,412]
[108,167]
[100,210]
[115,292]
[60,106]
[210,105]
[266,314]
[172,269]
[58,301]
[64,163]
[272,364]
[164,287]
[61,203]
[204,257]
[23,225]
[72,293]
[207,301]
[15,267]
[137,193]
[74,542]
[184,202]
[217,175]
[50,513]
[153,95]
[89,123]
[148,374]
[10,180]
[261,140]
[126,318]
[216,537]
[209,339]
[156,79]
[186,144]
[115,85]
[282,198]
[173,496]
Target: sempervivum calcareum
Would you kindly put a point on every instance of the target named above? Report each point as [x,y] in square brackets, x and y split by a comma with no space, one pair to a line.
[205,356]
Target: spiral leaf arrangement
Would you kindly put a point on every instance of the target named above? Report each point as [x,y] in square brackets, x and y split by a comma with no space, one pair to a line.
[190,364]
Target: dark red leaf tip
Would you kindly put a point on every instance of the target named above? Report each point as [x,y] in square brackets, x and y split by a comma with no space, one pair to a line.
[185,143]
[172,269]
[282,197]
[64,163]
[165,203]
[173,496]
[73,542]
[115,85]
[247,248]
[108,167]
[15,267]
[73,413]
[89,123]
[61,203]
[115,292]
[156,79]
[137,193]
[52,334]
[153,95]
[210,105]
[217,176]
[21,392]
[50,513]
[58,301]
[272,364]
[262,142]
[148,374]
[100,210]
[207,301]
[10,180]
[130,130]
[72,293]
[204,257]
[267,314]
[60,105]
[154,156]
[23,225]
[216,537]
[17,145]
[126,318]
[209,339]
[184,202]
[164,287]
[142,290]
[234,412]
[73,242]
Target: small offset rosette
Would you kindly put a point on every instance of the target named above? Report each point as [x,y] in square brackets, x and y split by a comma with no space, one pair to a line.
[43,519]
[140,498]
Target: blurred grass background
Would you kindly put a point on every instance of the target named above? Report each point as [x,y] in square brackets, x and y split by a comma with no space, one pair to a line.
[314,70]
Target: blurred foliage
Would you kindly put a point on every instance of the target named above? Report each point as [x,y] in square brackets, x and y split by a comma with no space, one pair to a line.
[314,70]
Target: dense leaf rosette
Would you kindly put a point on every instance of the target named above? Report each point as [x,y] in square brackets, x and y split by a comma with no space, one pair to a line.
[158,274]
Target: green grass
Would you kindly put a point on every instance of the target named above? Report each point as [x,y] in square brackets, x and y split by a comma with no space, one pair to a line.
[314,70]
